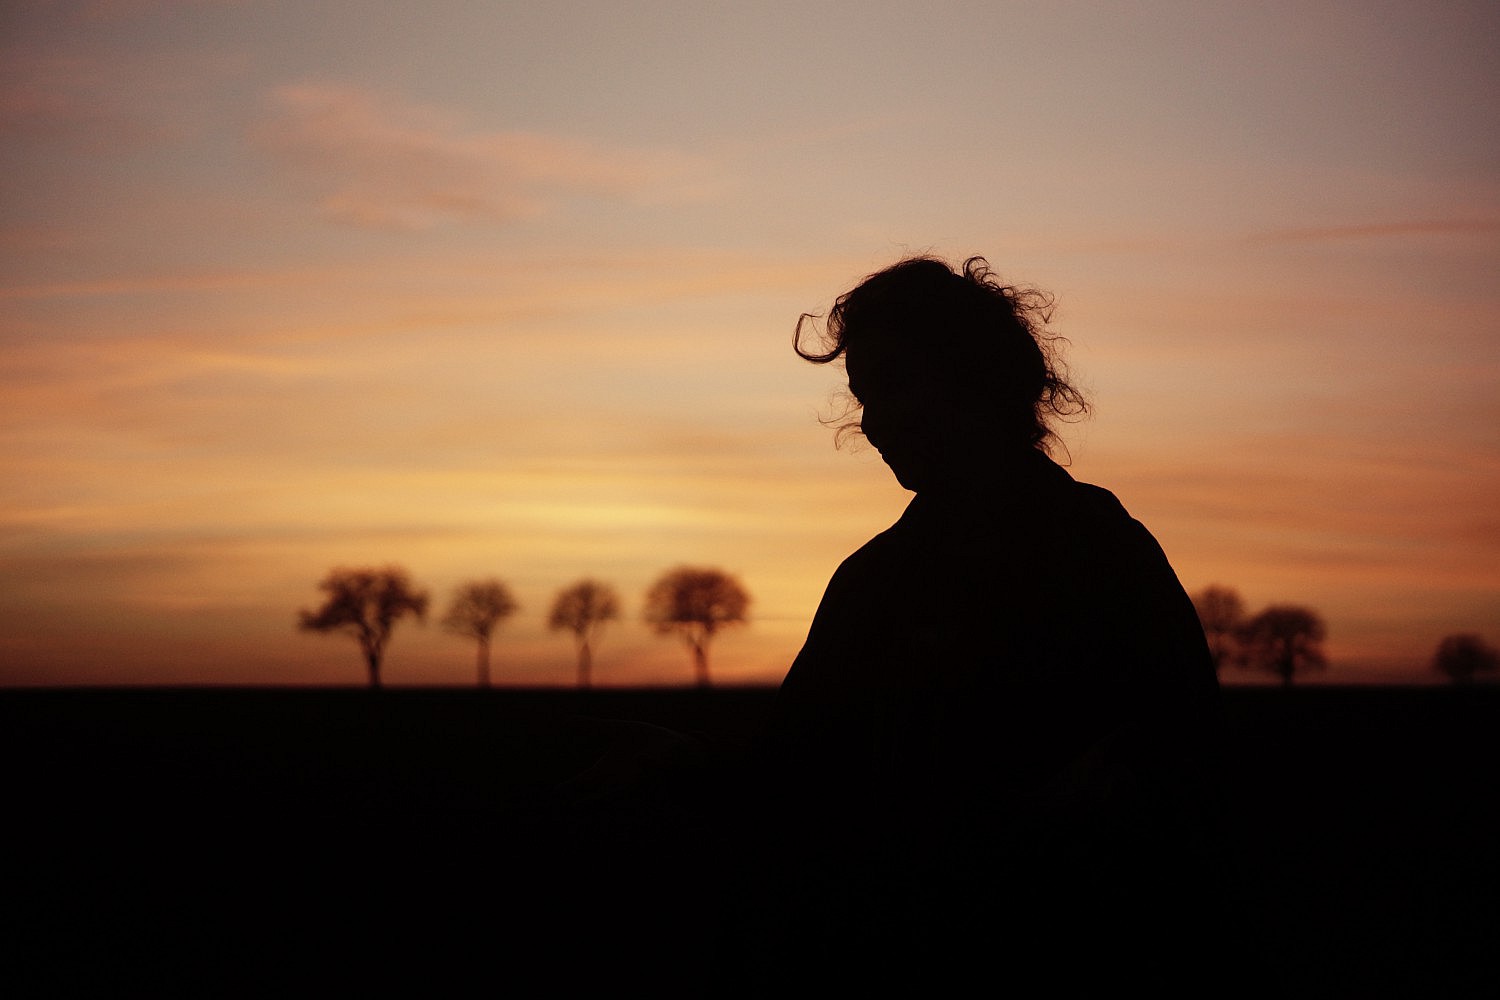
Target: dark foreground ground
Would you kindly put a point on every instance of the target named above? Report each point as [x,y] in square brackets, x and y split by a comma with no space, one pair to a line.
[321,841]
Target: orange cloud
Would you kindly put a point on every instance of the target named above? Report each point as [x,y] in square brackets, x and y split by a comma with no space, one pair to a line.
[393,164]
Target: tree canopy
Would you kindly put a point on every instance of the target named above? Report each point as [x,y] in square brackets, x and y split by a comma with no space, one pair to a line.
[366,602]
[1222,613]
[1285,639]
[477,607]
[583,609]
[1462,657]
[696,602]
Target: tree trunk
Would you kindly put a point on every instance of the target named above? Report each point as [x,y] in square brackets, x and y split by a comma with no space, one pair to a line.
[372,657]
[585,664]
[700,663]
[484,663]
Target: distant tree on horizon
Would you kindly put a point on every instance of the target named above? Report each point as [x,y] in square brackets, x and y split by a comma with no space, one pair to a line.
[696,603]
[583,609]
[366,602]
[1284,639]
[477,607]
[1221,611]
[1463,656]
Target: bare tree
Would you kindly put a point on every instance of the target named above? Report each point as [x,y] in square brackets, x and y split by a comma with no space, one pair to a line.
[1285,639]
[696,603]
[366,603]
[583,609]
[477,607]
[1222,613]
[1460,657]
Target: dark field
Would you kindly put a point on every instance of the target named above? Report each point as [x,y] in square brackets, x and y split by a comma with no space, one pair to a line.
[292,840]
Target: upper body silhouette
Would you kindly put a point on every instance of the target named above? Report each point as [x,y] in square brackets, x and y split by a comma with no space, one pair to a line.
[1005,703]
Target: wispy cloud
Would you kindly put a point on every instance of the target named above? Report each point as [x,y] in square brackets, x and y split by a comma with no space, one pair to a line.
[393,164]
[1381,230]
[110,11]
[66,86]
[62,99]
[148,285]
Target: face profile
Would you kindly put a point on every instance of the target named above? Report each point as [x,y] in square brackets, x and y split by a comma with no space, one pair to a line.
[899,416]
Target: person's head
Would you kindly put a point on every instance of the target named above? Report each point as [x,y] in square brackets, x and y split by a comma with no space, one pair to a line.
[947,367]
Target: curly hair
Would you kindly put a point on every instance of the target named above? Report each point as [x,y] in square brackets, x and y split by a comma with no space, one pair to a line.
[967,330]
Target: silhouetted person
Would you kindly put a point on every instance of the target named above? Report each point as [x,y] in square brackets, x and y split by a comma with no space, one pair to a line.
[995,750]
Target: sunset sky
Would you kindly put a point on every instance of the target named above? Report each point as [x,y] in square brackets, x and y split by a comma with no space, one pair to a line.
[507,289]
